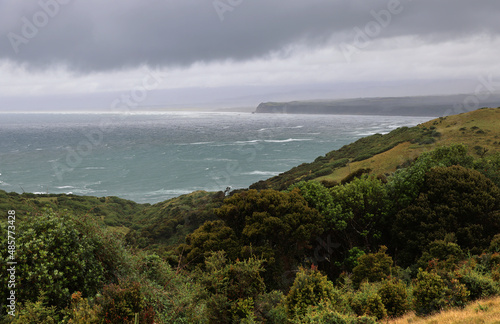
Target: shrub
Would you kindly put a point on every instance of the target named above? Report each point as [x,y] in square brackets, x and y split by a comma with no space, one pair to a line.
[432,293]
[372,267]
[121,302]
[310,288]
[429,293]
[367,301]
[82,311]
[59,254]
[37,312]
[479,285]
[394,297]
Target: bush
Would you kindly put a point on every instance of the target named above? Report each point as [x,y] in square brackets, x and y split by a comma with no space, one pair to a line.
[121,302]
[367,301]
[429,293]
[372,267]
[82,311]
[479,285]
[310,288]
[394,297]
[59,254]
[36,312]
[433,293]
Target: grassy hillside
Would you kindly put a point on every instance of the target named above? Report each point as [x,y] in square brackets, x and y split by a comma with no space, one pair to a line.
[381,154]
[484,311]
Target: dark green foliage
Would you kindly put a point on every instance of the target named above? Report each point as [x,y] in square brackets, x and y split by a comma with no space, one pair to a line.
[277,226]
[211,237]
[363,204]
[318,197]
[433,293]
[454,200]
[405,185]
[167,223]
[446,251]
[372,267]
[490,167]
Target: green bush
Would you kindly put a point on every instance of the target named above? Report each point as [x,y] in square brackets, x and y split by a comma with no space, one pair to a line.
[310,288]
[394,297]
[372,267]
[60,254]
[367,301]
[479,285]
[429,293]
[38,312]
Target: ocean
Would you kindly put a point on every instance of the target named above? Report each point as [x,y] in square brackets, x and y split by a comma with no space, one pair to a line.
[152,157]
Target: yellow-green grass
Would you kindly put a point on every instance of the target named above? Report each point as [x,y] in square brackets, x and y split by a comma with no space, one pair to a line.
[482,128]
[484,311]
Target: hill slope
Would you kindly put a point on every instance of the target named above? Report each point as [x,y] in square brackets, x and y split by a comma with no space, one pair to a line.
[380,154]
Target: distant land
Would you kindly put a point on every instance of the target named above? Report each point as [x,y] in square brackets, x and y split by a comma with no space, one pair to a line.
[431,106]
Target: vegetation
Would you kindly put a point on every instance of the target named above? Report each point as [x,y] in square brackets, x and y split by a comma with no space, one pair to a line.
[419,239]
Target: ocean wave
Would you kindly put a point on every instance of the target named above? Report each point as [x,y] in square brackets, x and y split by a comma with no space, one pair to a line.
[264,173]
[95,168]
[169,192]
[288,140]
[201,143]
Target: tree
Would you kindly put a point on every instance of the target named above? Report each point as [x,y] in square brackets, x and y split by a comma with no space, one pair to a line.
[363,204]
[453,200]
[276,226]
[212,236]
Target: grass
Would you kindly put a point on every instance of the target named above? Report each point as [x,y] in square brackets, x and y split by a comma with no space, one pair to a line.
[485,311]
[479,128]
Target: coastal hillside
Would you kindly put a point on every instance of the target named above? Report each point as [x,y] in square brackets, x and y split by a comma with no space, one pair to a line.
[395,227]
[382,154]
[431,106]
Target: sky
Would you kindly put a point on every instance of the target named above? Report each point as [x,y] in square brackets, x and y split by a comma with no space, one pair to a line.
[117,55]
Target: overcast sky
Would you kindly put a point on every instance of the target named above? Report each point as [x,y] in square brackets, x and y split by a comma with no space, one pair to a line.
[113,54]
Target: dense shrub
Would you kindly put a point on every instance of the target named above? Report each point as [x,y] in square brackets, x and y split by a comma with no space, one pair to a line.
[231,288]
[429,293]
[59,254]
[310,288]
[394,297]
[372,267]
[121,302]
[453,200]
[479,285]
[367,301]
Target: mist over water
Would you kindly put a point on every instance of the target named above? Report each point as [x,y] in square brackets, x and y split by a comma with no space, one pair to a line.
[157,156]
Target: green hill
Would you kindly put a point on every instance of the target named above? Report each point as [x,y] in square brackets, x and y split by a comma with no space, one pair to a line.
[382,154]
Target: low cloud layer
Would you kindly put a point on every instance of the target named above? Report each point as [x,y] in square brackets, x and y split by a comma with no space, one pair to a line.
[94,35]
[267,49]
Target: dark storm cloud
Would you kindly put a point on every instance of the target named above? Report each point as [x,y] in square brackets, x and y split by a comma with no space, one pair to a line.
[94,35]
